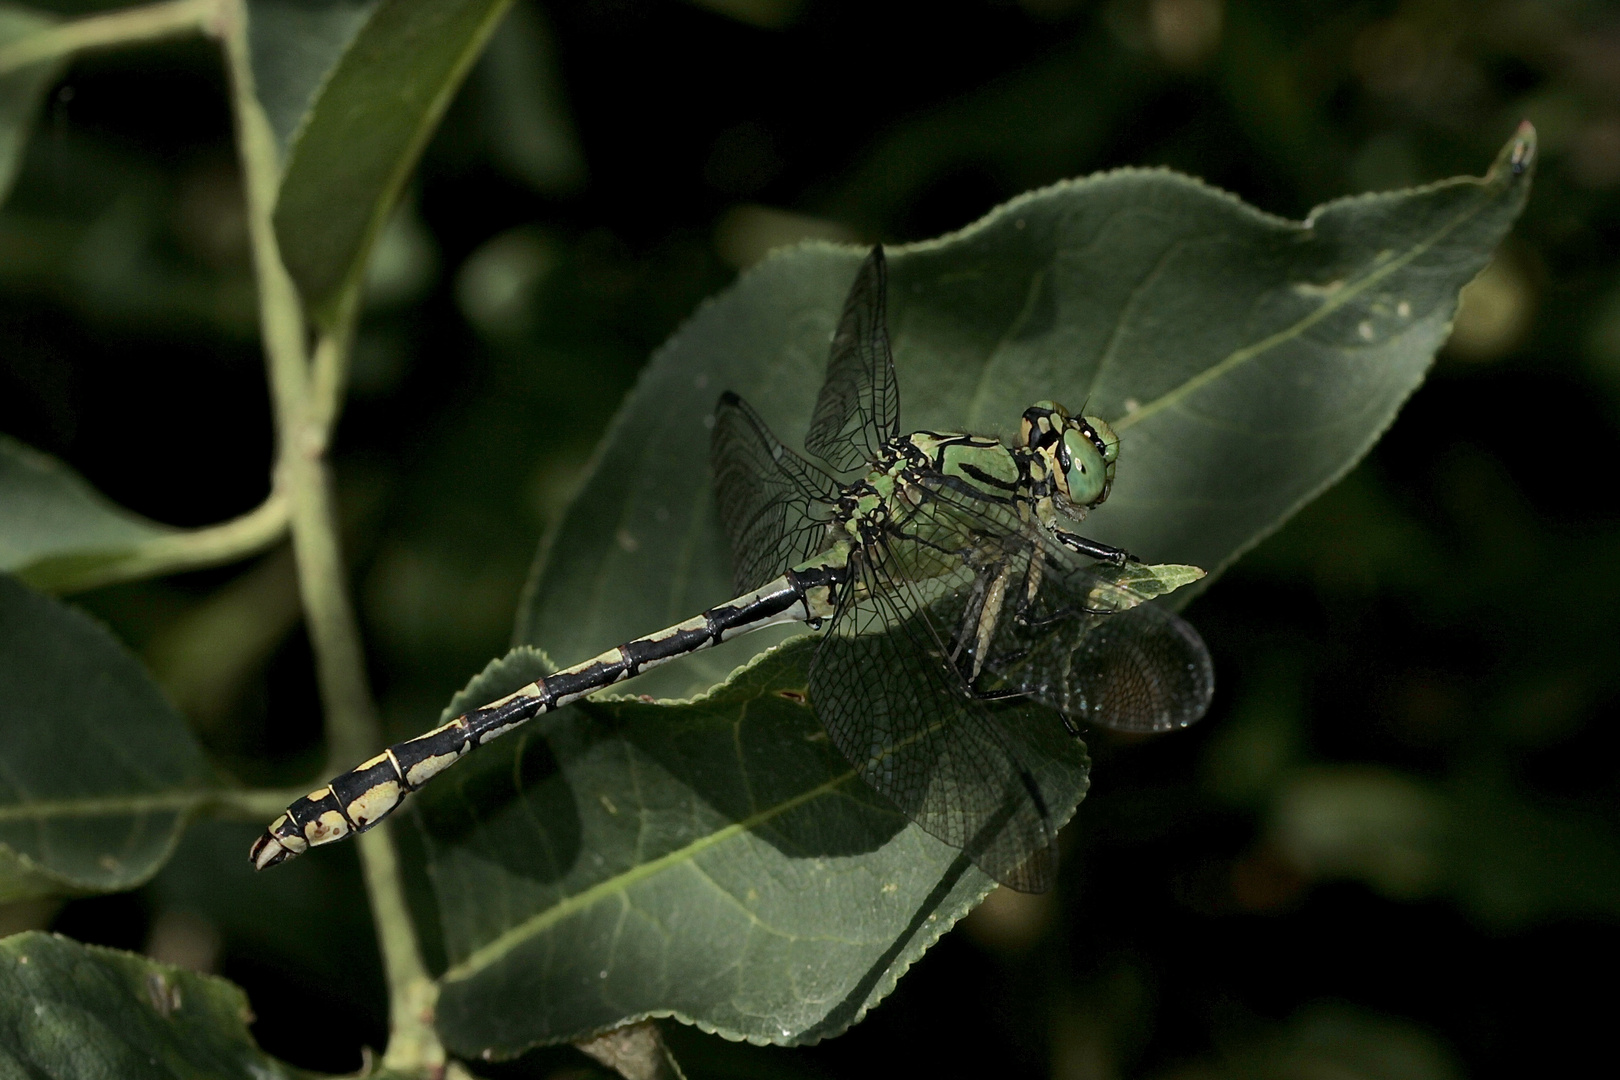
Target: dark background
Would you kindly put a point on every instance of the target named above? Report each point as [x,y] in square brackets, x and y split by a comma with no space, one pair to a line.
[1390,851]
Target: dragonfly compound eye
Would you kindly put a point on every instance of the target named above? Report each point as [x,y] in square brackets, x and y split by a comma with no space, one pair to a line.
[1090,472]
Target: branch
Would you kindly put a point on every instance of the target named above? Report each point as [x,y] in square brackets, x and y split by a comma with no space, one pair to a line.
[192,549]
[303,427]
[124,27]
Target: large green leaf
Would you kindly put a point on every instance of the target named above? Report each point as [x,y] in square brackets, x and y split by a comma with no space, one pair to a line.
[97,772]
[1246,361]
[74,1011]
[363,133]
[21,91]
[717,861]
[711,859]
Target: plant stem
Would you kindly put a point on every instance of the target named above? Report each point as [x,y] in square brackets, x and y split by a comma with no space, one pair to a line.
[114,28]
[331,363]
[303,430]
[190,549]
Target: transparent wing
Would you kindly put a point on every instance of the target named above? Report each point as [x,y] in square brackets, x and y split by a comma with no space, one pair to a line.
[774,505]
[1093,648]
[981,776]
[859,406]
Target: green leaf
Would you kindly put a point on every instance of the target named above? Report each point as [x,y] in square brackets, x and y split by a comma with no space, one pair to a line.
[21,91]
[69,1010]
[52,513]
[1246,361]
[294,45]
[97,772]
[363,134]
[717,861]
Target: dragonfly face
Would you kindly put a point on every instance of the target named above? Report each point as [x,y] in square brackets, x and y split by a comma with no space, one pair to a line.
[1079,454]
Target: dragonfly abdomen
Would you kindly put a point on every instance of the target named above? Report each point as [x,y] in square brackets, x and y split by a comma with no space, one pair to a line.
[360,798]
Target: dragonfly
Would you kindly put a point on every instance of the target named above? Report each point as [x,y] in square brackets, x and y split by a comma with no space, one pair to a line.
[968,632]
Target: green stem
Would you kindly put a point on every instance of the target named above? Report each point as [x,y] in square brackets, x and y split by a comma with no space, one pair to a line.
[114,28]
[303,429]
[251,804]
[331,364]
[191,549]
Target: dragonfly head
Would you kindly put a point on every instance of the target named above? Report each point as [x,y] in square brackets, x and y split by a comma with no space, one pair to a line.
[1080,453]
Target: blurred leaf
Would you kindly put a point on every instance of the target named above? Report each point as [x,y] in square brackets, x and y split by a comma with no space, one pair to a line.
[1506,861]
[1335,1041]
[1247,363]
[21,91]
[1509,862]
[51,512]
[69,1010]
[531,133]
[1363,823]
[717,861]
[364,132]
[99,772]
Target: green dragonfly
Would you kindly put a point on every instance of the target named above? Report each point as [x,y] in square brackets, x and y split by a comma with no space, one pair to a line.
[967,630]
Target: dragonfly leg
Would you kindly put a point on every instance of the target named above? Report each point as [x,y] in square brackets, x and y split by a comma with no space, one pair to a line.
[1092,549]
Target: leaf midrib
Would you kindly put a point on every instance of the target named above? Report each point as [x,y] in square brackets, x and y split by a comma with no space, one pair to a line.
[1339,298]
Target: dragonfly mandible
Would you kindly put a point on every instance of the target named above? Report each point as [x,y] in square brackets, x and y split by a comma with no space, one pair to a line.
[967,630]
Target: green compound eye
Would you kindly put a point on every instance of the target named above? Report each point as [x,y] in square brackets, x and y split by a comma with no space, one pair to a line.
[1092,450]
[1087,471]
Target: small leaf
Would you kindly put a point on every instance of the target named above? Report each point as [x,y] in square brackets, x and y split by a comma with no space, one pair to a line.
[363,134]
[52,513]
[70,1010]
[21,91]
[97,772]
[717,860]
